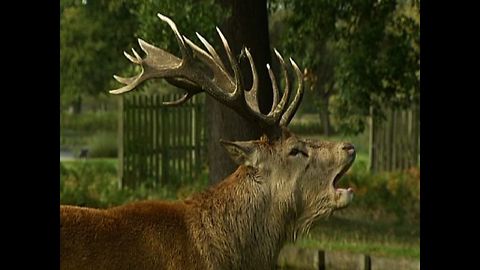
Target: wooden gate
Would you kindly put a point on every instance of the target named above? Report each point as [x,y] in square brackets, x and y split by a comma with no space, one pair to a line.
[395,142]
[160,145]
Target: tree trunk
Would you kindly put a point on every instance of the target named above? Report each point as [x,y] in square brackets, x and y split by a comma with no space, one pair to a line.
[247,26]
[325,115]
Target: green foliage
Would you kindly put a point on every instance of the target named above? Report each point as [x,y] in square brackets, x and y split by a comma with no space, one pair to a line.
[94,183]
[380,59]
[367,50]
[190,16]
[93,35]
[397,193]
[308,35]
[90,184]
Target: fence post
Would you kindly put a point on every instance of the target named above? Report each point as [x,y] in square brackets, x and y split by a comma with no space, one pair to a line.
[165,156]
[371,142]
[120,145]
[321,260]
[157,139]
[197,139]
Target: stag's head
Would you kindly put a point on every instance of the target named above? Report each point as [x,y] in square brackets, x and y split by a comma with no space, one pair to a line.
[300,171]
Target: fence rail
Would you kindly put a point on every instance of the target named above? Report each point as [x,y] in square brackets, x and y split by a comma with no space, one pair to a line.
[160,145]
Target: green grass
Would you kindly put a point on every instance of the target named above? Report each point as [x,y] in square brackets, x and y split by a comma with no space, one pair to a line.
[93,161]
[356,231]
[394,250]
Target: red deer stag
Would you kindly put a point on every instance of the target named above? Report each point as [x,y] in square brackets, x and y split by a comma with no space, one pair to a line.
[282,185]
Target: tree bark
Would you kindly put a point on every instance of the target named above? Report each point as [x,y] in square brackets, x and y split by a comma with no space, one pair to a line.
[247,26]
[325,115]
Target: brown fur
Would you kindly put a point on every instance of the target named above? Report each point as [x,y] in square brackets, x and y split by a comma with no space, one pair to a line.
[143,235]
[240,223]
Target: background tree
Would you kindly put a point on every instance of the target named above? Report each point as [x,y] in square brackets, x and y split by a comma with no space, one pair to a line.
[309,34]
[246,25]
[379,45]
[366,52]
[92,35]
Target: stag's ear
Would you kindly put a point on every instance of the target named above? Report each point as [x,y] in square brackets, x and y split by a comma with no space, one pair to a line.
[240,152]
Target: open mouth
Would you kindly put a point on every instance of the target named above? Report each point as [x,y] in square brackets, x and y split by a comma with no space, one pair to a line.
[343,196]
[341,173]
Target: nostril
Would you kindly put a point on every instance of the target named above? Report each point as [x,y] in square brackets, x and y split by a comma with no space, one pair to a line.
[348,146]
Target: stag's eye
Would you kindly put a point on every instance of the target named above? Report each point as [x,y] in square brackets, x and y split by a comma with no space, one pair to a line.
[296,151]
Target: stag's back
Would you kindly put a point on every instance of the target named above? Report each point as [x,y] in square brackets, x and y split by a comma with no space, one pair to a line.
[144,235]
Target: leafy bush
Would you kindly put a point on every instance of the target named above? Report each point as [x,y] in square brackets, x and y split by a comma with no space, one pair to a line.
[94,183]
[395,192]
[89,184]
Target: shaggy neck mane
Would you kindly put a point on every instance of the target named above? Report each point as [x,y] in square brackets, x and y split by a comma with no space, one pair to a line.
[240,220]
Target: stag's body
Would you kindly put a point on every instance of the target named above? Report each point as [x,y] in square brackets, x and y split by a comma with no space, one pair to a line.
[234,225]
[240,223]
[144,235]
[282,186]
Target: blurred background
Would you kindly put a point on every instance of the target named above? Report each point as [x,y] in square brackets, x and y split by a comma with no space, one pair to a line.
[361,62]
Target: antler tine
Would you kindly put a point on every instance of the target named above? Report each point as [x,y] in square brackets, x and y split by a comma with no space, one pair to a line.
[218,72]
[183,49]
[276,93]
[135,59]
[236,70]
[280,107]
[290,112]
[124,80]
[150,67]
[251,95]
[191,88]
[139,59]
[211,50]
[179,101]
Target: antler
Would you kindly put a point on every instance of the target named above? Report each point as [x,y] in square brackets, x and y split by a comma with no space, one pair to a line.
[217,81]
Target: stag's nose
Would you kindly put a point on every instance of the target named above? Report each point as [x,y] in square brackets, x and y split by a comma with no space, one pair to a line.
[350,148]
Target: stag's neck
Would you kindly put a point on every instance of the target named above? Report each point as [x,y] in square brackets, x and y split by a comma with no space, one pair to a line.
[240,219]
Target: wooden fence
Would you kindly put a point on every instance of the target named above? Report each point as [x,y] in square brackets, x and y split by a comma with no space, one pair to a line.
[159,145]
[294,257]
[395,142]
